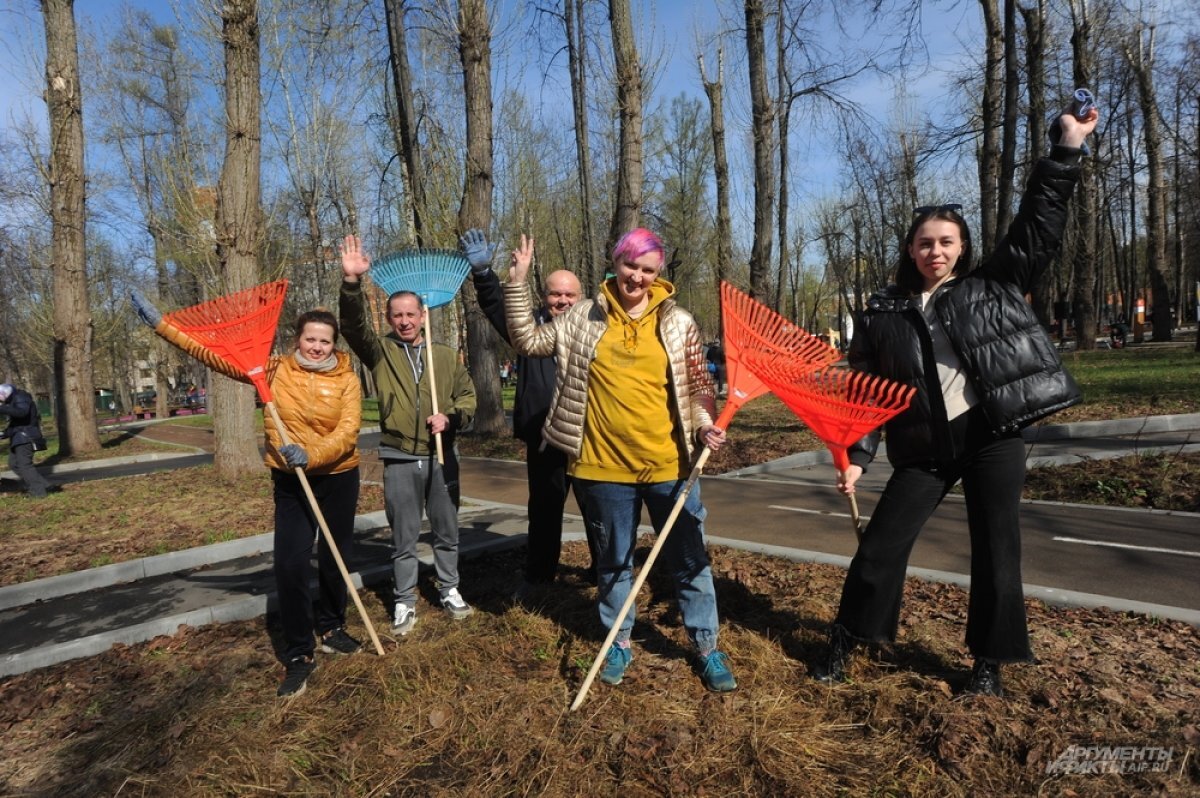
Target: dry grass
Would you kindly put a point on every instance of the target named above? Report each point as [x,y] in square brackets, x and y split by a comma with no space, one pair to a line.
[104,521]
[479,707]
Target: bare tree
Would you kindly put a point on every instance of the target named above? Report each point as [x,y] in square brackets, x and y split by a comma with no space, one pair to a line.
[238,224]
[762,111]
[406,127]
[628,208]
[1011,110]
[75,408]
[475,37]
[1139,54]
[714,89]
[989,118]
[577,62]
[1083,209]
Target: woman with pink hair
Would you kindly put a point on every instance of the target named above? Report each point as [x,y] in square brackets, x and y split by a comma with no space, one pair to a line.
[633,403]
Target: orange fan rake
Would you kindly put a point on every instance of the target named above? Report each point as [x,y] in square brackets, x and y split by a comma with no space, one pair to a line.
[749,326]
[839,405]
[239,328]
[752,327]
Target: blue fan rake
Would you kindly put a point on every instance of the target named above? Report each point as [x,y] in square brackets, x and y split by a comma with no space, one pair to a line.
[435,275]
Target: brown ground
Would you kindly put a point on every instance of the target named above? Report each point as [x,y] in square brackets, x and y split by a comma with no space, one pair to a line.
[479,707]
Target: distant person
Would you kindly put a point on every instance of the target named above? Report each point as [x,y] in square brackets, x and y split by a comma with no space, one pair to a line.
[24,434]
[545,466]
[413,480]
[319,399]
[983,367]
[504,369]
[633,405]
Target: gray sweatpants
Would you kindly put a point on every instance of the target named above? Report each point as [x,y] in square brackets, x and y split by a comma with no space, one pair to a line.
[411,487]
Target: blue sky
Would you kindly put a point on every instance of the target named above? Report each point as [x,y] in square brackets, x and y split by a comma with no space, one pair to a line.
[667,29]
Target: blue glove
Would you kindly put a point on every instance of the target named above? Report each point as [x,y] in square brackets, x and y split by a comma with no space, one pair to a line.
[294,456]
[147,313]
[479,252]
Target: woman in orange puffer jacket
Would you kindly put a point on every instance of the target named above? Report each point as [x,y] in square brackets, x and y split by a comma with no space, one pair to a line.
[319,400]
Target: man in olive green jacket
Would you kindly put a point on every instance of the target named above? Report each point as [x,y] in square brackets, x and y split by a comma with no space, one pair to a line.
[413,480]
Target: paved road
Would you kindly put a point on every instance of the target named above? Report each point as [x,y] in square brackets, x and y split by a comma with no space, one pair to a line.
[799,508]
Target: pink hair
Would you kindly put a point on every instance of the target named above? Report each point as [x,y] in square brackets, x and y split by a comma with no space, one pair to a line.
[635,244]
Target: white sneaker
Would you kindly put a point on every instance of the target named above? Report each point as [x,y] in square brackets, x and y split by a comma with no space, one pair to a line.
[452,602]
[405,618]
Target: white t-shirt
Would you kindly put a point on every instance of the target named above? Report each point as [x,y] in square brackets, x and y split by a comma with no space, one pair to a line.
[957,392]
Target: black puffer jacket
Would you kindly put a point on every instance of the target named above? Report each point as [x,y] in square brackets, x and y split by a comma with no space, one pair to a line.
[1005,352]
[535,375]
[24,421]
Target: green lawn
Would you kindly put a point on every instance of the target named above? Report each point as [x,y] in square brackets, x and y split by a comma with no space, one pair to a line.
[1122,374]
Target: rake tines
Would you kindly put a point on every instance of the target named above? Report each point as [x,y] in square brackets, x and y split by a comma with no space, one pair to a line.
[434,274]
[839,405]
[240,327]
[752,327]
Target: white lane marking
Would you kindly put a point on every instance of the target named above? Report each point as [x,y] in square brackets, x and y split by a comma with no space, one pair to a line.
[1152,549]
[863,518]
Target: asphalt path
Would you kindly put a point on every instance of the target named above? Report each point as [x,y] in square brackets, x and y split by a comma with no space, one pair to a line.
[1137,555]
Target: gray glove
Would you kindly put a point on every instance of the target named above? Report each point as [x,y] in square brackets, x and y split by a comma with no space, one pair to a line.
[479,252]
[147,313]
[294,456]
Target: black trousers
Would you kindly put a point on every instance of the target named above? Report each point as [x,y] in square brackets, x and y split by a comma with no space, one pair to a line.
[548,485]
[992,473]
[20,460]
[296,531]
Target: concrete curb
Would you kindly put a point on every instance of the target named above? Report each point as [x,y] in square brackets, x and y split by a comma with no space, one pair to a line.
[236,610]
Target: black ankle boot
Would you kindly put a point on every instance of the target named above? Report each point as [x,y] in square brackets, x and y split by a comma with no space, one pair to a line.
[840,646]
[985,679]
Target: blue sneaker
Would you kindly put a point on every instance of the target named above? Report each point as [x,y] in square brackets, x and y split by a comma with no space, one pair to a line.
[615,664]
[716,674]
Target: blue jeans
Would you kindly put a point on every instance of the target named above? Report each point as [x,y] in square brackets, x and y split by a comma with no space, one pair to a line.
[613,511]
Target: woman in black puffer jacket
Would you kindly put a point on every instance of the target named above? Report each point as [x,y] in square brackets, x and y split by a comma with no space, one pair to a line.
[983,368]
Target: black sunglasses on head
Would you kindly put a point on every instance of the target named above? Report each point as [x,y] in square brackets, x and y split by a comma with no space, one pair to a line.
[951,206]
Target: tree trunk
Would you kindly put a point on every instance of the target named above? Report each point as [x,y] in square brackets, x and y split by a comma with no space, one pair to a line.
[409,145]
[238,225]
[75,408]
[989,118]
[577,64]
[474,49]
[1083,209]
[783,86]
[629,101]
[1142,64]
[1035,64]
[763,129]
[721,171]
[1012,103]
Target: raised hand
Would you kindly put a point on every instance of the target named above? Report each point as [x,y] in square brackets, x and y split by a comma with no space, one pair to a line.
[146,312]
[355,261]
[479,252]
[522,257]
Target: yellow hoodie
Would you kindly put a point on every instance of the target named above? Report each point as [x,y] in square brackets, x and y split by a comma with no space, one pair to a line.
[628,436]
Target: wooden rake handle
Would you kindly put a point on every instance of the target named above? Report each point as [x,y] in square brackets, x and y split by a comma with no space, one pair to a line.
[641,577]
[432,385]
[337,556]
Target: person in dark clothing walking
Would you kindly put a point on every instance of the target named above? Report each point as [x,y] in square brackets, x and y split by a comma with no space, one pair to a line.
[983,367]
[546,466]
[24,434]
